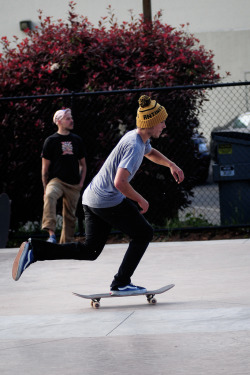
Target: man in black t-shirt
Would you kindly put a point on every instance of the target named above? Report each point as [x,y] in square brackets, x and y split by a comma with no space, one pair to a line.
[63,174]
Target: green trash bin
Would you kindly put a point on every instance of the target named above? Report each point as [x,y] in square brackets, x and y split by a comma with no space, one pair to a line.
[232,172]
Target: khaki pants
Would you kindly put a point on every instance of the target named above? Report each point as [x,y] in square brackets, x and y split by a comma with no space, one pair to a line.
[70,194]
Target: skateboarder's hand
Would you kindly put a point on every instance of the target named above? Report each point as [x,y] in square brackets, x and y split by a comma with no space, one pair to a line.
[144,205]
[177,173]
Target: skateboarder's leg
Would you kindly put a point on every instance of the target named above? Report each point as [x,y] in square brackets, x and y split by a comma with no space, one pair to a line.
[141,234]
[127,218]
[97,231]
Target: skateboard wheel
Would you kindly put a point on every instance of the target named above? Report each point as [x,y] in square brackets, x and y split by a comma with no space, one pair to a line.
[152,301]
[96,305]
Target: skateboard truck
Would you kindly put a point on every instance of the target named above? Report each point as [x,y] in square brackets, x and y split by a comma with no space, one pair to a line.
[151,299]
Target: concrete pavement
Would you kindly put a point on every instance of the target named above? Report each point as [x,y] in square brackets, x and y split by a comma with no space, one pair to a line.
[201,326]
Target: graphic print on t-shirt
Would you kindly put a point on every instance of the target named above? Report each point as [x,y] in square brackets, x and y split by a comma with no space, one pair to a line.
[67,148]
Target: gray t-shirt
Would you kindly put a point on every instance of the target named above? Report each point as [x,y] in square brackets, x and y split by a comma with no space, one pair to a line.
[128,154]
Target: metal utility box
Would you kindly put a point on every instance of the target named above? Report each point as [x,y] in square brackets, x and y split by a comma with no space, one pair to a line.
[232,172]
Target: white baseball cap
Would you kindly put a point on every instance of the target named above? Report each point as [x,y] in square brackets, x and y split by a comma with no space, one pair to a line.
[60,114]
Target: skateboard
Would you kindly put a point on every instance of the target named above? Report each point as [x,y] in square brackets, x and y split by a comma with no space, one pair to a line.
[4,219]
[150,295]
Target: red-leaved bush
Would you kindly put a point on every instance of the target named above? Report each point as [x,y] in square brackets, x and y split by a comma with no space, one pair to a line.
[61,57]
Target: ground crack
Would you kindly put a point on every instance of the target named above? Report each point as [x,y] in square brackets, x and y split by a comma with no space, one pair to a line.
[124,320]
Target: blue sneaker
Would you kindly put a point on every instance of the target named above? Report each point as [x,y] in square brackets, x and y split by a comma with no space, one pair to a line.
[127,290]
[52,238]
[23,259]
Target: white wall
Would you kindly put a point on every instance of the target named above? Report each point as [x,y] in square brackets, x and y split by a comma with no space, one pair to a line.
[206,15]
[221,25]
[14,11]
[231,52]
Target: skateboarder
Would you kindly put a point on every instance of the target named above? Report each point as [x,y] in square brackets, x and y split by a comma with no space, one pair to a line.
[110,201]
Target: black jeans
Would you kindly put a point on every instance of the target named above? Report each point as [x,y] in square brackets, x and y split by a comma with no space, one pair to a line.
[98,223]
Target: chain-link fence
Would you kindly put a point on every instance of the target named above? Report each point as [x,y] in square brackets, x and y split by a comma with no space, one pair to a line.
[195,112]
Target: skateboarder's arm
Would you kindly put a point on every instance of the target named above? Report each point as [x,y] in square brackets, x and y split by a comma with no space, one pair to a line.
[158,158]
[45,172]
[122,184]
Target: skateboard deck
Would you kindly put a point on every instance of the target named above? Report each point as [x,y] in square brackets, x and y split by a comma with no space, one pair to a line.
[150,295]
[4,219]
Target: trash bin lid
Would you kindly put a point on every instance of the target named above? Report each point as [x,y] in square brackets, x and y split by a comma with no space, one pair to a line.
[230,135]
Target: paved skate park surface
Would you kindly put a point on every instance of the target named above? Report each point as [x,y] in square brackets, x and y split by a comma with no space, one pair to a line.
[201,326]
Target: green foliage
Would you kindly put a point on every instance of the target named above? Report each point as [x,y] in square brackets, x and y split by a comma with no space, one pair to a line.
[61,57]
[195,221]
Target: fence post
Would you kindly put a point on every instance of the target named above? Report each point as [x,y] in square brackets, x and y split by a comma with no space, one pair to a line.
[72,103]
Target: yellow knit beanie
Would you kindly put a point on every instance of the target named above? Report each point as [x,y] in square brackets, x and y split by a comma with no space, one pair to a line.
[149,113]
